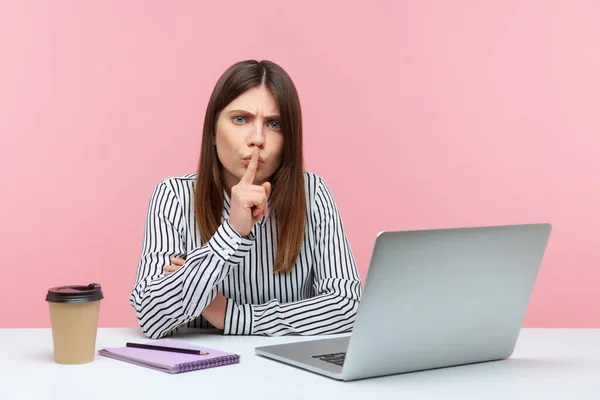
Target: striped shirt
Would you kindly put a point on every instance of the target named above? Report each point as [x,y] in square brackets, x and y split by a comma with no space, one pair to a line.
[319,296]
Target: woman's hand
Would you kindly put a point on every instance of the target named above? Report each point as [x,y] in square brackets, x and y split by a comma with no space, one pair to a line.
[248,201]
[175,263]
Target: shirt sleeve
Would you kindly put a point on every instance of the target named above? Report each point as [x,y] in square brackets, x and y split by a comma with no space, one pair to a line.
[337,286]
[164,302]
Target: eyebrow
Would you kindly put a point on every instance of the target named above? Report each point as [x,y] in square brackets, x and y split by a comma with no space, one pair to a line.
[274,116]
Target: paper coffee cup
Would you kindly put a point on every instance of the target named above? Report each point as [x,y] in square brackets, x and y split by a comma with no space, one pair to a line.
[74,312]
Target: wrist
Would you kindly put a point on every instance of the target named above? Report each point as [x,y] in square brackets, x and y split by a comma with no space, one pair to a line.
[237,230]
[239,319]
[237,247]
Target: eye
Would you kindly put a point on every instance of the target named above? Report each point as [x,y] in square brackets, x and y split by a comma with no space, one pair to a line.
[239,119]
[275,125]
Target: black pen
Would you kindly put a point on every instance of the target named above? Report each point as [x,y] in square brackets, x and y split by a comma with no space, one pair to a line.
[164,348]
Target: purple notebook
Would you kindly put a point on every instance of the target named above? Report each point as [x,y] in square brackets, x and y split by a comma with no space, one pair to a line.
[172,363]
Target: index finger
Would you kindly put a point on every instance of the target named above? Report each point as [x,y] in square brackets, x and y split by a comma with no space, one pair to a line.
[252,166]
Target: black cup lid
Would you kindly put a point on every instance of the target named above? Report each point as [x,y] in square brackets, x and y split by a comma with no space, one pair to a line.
[75,293]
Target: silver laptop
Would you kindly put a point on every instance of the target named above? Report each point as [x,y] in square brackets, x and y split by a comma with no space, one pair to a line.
[432,299]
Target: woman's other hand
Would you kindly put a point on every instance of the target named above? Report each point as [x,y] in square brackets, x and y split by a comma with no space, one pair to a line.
[176,262]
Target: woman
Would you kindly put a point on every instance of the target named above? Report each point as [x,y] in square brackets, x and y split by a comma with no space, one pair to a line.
[250,244]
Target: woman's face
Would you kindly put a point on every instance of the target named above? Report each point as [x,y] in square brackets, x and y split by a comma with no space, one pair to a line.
[251,120]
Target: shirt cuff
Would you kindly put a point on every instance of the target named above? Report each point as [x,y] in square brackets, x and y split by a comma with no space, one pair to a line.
[238,319]
[229,245]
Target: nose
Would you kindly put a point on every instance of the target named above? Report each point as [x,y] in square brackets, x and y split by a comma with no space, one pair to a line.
[257,137]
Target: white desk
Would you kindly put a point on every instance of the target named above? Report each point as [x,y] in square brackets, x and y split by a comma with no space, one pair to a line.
[547,364]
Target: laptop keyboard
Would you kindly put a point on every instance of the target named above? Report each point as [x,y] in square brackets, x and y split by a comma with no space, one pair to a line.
[334,358]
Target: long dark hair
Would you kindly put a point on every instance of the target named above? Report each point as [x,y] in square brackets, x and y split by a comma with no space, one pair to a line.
[288,201]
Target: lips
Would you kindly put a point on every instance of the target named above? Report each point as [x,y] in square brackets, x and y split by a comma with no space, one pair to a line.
[247,159]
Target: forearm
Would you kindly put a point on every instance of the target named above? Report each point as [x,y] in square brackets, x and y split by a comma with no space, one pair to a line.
[327,313]
[163,303]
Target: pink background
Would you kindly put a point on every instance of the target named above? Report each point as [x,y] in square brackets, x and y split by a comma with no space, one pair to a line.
[420,114]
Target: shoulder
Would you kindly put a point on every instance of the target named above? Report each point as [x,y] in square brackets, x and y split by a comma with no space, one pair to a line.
[181,186]
[318,193]
[312,184]
[320,201]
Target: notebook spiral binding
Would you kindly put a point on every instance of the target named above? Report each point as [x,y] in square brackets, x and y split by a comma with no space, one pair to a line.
[225,360]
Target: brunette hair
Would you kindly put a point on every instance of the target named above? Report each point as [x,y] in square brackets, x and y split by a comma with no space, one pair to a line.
[288,201]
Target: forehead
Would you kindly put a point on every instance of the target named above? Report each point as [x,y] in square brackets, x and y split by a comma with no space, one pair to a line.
[255,100]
